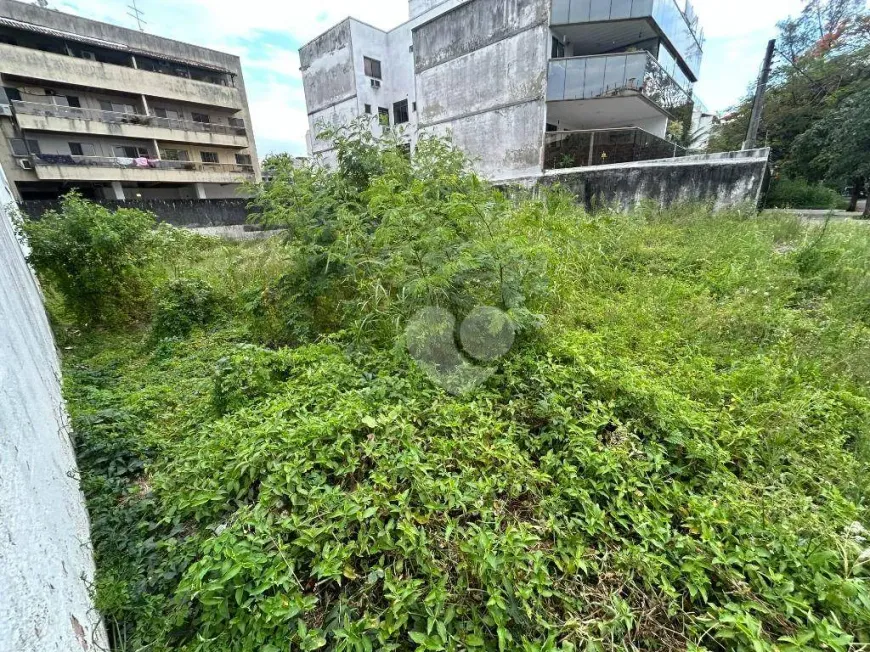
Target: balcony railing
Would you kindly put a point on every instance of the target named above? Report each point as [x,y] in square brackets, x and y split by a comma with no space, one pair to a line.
[113,117]
[137,163]
[612,75]
[568,149]
[676,19]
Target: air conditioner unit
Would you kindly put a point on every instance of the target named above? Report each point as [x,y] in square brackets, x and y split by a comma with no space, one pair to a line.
[376,83]
[25,164]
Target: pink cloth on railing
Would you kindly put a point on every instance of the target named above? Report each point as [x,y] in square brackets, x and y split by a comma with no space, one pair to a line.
[142,162]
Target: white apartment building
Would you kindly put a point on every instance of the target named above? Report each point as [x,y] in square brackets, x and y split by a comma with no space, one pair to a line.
[116,113]
[522,85]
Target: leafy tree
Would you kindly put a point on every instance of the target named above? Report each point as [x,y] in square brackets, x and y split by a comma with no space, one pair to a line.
[821,55]
[837,148]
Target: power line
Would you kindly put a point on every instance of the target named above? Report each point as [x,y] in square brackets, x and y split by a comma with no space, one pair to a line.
[136,14]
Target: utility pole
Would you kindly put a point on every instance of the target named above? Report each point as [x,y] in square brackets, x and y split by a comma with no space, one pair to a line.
[758,106]
[137,15]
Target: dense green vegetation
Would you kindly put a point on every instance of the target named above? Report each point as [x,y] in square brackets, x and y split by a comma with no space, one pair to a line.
[816,117]
[673,456]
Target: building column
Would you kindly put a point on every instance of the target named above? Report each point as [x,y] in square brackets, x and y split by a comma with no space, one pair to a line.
[118,191]
[200,191]
[145,107]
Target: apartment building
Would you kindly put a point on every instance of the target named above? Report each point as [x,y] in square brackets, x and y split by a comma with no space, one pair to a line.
[116,113]
[521,85]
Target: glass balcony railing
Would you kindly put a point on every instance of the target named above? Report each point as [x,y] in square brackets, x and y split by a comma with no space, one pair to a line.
[675,19]
[612,75]
[590,147]
[114,117]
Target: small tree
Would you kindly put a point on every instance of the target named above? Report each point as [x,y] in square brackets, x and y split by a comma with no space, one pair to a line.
[838,145]
[95,258]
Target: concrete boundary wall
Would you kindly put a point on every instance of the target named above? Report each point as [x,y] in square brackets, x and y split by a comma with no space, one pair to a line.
[722,180]
[178,212]
[46,565]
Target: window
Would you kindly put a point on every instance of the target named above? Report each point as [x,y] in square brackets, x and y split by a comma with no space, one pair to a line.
[87,54]
[105,106]
[13,94]
[400,112]
[19,147]
[176,155]
[76,149]
[415,107]
[558,50]
[33,147]
[201,117]
[243,159]
[131,152]
[551,127]
[73,101]
[384,116]
[49,92]
[368,109]
[372,67]
[239,123]
[209,157]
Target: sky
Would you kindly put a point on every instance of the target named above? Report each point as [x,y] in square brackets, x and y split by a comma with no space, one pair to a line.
[267,34]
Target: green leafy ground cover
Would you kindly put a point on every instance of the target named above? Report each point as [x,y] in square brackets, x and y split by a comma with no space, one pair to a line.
[673,456]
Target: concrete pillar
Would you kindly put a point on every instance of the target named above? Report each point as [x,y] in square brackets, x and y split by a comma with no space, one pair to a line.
[200,191]
[118,191]
[145,109]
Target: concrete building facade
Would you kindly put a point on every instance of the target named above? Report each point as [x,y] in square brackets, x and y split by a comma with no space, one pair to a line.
[116,113]
[521,85]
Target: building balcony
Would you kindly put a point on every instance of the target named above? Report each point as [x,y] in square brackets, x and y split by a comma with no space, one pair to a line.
[66,119]
[634,75]
[55,68]
[569,149]
[62,167]
[607,25]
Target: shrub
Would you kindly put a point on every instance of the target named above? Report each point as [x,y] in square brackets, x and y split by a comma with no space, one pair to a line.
[95,257]
[182,304]
[797,193]
[249,373]
[386,234]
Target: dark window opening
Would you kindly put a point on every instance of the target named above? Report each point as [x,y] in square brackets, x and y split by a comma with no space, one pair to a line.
[209,157]
[384,116]
[201,117]
[131,152]
[76,149]
[372,67]
[73,101]
[13,94]
[400,112]
[243,159]
[552,127]
[19,147]
[368,109]
[415,107]
[175,155]
[558,50]
[33,147]
[105,105]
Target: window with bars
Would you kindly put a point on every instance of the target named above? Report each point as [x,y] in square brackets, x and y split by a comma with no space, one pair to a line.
[400,112]
[201,117]
[209,157]
[372,68]
[243,159]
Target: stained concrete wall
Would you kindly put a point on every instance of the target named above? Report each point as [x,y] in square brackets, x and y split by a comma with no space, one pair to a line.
[482,77]
[46,564]
[723,180]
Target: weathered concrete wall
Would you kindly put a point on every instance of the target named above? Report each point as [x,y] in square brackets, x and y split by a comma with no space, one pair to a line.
[482,77]
[475,25]
[179,212]
[724,180]
[46,564]
[417,8]
[328,73]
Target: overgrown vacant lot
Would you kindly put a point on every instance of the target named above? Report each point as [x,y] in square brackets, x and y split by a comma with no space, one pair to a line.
[673,455]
